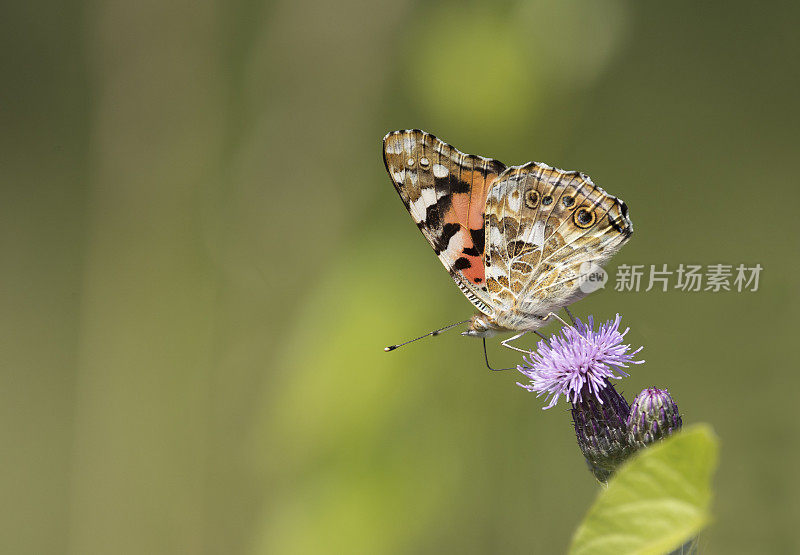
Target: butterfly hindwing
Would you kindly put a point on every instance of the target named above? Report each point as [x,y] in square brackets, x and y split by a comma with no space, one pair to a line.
[543,224]
[445,192]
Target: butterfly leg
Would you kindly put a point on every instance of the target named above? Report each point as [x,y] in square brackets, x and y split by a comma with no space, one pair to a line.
[507,341]
[486,358]
[540,334]
[571,317]
[557,317]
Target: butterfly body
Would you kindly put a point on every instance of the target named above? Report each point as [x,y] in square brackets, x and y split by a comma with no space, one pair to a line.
[516,240]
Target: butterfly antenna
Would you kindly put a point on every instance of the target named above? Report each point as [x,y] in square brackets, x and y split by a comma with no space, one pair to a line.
[431,333]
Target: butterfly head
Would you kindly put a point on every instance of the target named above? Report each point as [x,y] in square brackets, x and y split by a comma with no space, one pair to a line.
[482,325]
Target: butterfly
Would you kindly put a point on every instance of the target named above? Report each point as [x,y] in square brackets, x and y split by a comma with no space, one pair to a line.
[517,240]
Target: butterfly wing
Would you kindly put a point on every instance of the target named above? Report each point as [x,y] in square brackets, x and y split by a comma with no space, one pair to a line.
[445,192]
[543,225]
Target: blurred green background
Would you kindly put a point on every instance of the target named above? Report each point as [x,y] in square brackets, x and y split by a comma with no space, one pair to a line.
[203,258]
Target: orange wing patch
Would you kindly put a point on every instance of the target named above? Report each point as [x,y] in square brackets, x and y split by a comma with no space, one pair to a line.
[467,210]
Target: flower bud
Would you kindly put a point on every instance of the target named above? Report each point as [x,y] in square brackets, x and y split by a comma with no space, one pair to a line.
[653,416]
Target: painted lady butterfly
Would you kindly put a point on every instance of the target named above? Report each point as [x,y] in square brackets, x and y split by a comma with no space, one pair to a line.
[514,239]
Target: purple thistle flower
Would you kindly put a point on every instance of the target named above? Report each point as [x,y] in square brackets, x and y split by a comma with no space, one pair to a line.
[578,361]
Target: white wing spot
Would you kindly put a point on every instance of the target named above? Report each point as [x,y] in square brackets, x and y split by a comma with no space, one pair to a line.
[426,199]
[495,237]
[538,233]
[440,171]
[410,162]
[515,201]
[453,248]
[424,162]
[399,176]
[429,196]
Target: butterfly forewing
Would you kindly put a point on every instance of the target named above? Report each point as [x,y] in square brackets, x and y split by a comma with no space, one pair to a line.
[445,192]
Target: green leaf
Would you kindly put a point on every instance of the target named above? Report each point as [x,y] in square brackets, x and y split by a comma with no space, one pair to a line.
[656,501]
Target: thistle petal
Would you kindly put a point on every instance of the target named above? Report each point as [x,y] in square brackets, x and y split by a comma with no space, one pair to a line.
[578,360]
